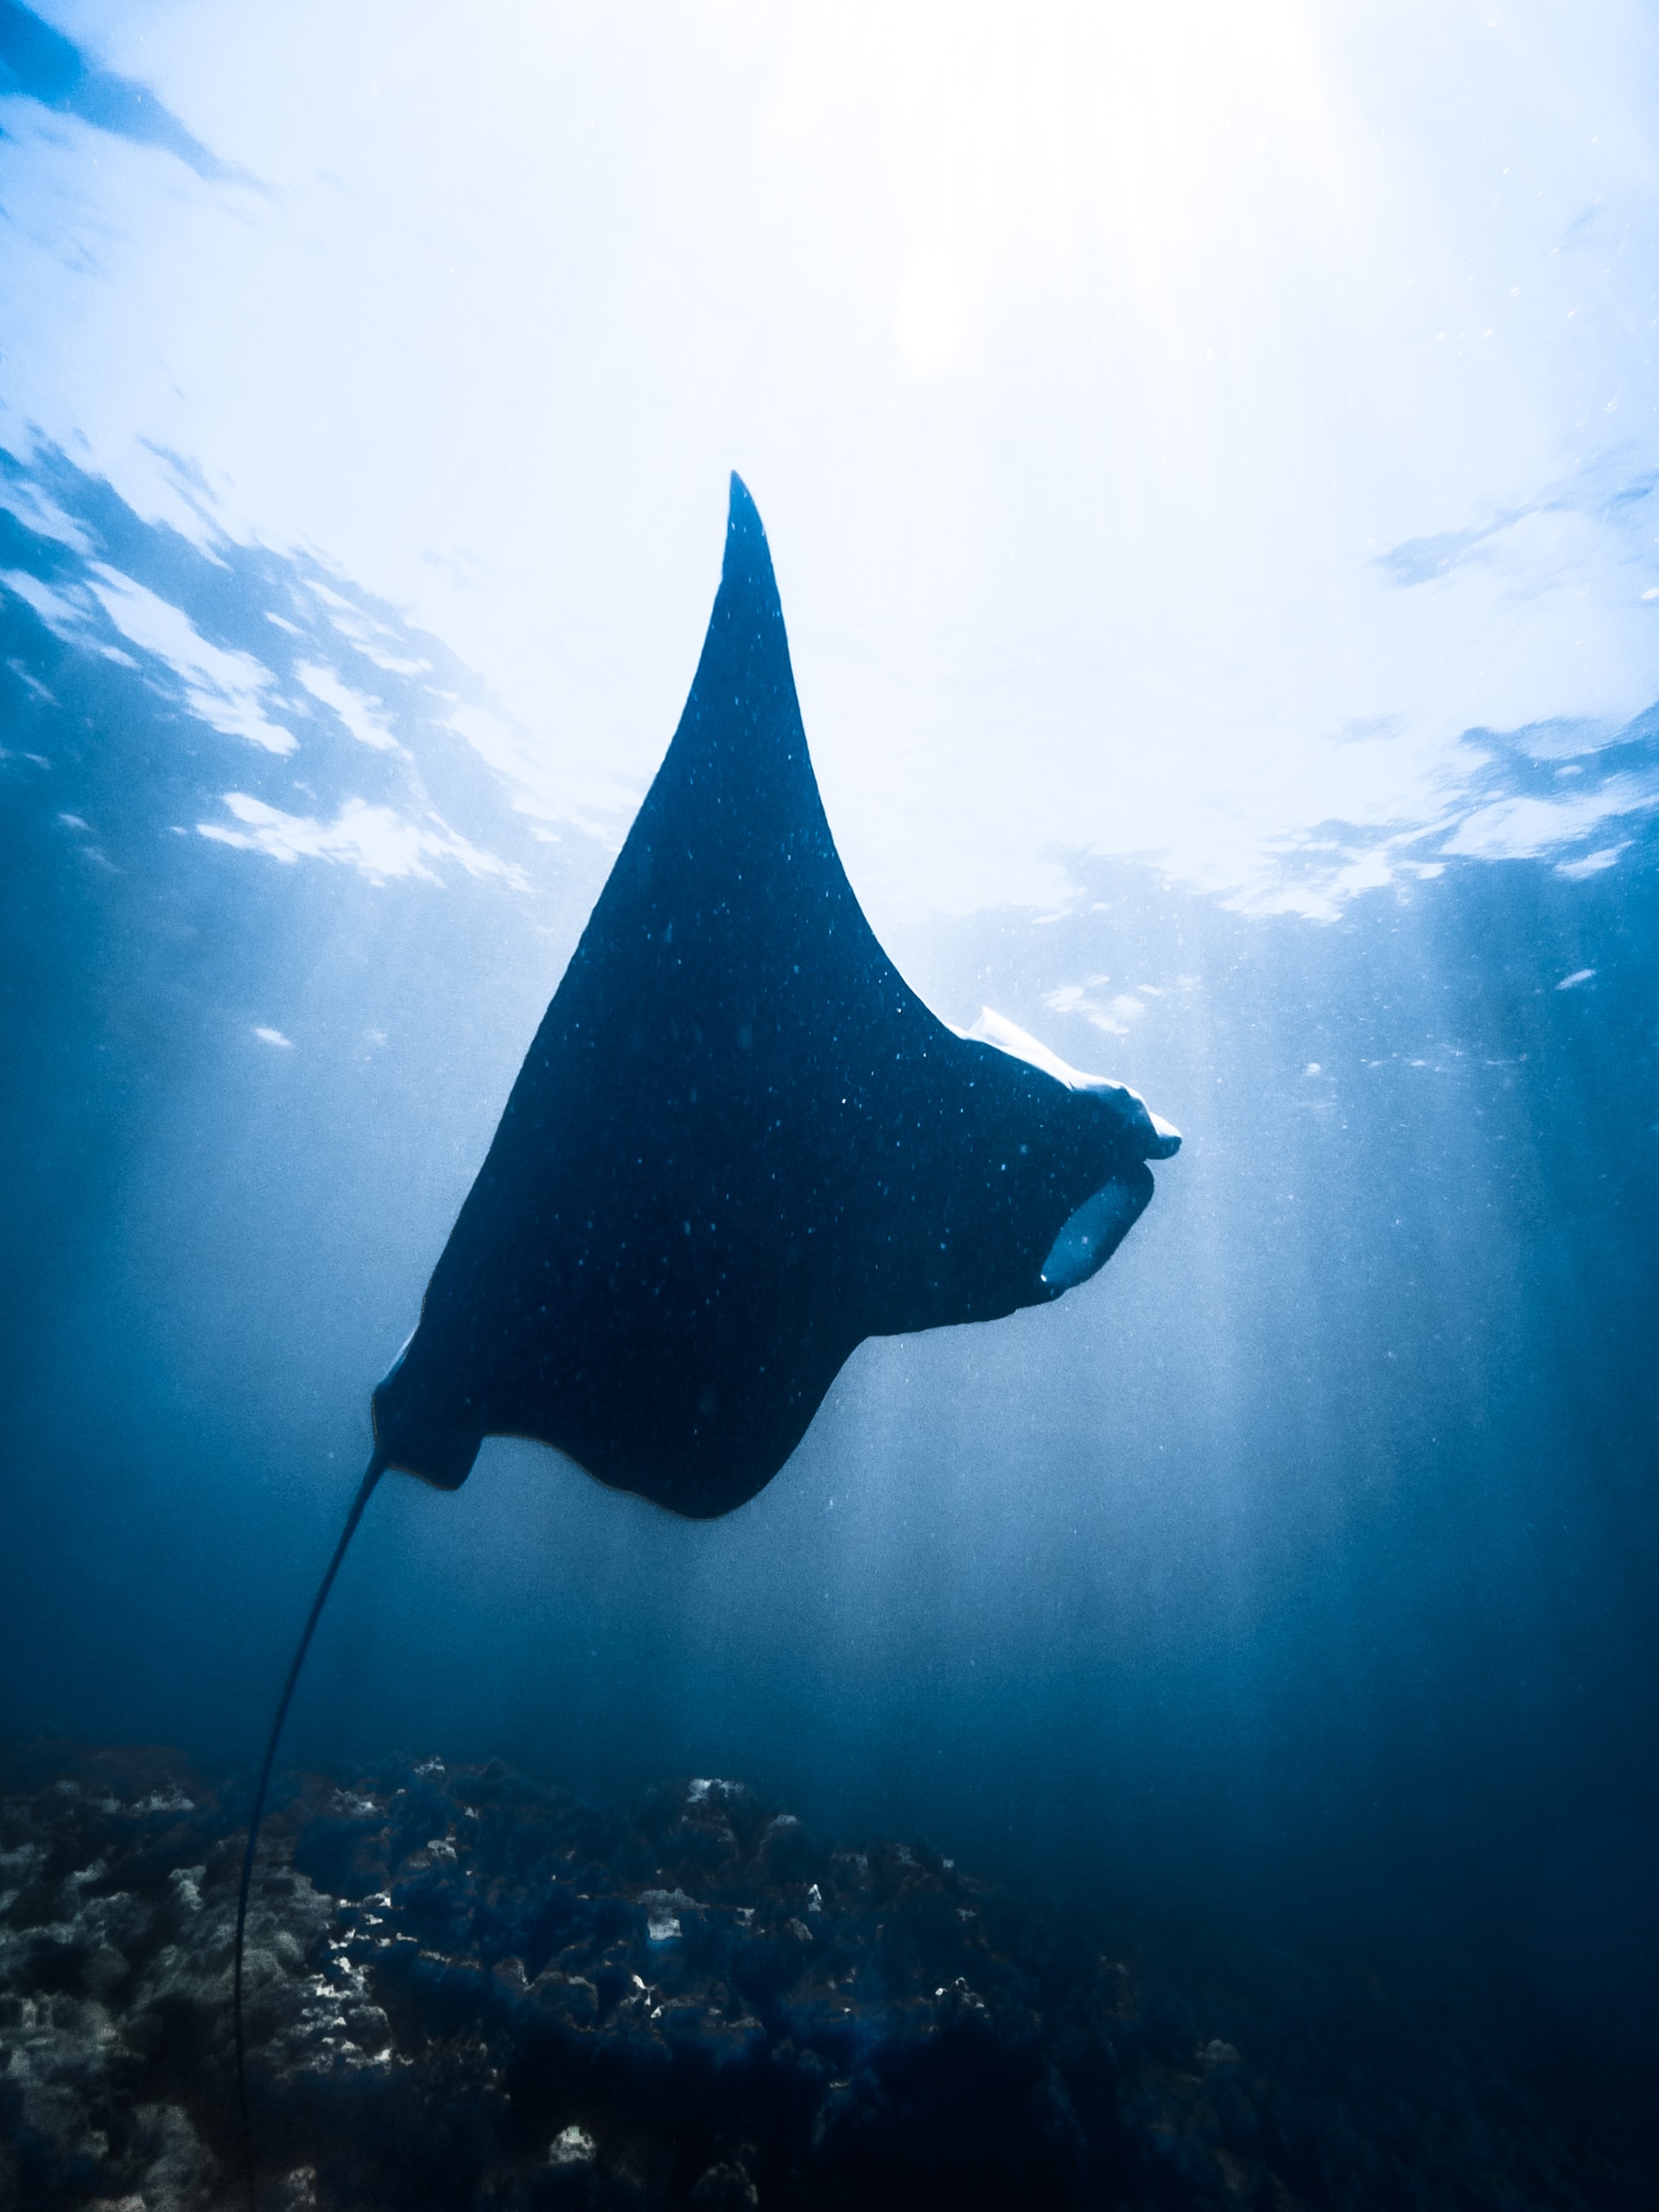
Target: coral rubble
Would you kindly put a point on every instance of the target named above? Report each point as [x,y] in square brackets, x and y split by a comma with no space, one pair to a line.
[466,1990]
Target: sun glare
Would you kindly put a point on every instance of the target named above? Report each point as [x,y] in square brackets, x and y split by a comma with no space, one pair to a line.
[1106,156]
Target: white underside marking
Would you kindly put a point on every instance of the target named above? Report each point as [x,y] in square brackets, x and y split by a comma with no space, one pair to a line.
[1090,1236]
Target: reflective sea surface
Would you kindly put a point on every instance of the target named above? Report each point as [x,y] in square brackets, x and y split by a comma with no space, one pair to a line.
[1211,466]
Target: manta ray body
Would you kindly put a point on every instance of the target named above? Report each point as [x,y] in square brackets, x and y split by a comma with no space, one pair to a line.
[739,1145]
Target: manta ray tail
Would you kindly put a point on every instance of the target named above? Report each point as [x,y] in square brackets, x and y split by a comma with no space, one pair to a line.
[376,1468]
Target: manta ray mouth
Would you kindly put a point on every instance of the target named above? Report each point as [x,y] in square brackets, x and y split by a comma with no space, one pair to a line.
[1091,1234]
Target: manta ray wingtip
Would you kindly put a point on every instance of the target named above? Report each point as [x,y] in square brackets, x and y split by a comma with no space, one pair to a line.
[748,555]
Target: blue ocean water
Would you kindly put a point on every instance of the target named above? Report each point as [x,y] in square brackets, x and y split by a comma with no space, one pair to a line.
[1299,1563]
[1296,1574]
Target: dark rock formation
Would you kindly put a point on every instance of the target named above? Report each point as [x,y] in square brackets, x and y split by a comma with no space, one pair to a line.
[465,1989]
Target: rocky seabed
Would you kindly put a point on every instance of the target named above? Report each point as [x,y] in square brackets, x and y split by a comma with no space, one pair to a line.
[465,1990]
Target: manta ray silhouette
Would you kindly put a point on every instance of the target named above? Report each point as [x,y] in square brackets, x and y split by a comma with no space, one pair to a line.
[739,1145]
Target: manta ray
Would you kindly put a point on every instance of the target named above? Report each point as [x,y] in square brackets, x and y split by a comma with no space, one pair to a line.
[739,1145]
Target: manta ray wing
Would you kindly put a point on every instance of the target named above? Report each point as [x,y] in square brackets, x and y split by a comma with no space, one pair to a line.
[740,1143]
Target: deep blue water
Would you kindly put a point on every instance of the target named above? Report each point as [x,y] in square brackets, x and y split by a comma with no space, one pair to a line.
[1300,1569]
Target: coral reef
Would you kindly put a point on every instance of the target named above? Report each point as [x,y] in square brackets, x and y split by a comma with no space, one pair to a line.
[467,1990]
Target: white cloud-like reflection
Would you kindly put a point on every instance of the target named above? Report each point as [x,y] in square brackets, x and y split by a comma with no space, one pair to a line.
[363,716]
[229,692]
[376,840]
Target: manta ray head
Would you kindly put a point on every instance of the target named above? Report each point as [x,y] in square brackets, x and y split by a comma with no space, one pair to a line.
[1105,1135]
